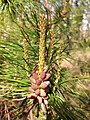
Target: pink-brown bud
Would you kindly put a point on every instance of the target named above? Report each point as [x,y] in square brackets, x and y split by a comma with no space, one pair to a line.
[32,80]
[38,82]
[34,87]
[44,84]
[30,89]
[37,92]
[32,96]
[47,76]
[43,75]
[35,76]
[45,98]
[45,68]
[46,102]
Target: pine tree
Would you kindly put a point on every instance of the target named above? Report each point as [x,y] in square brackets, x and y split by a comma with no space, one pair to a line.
[35,38]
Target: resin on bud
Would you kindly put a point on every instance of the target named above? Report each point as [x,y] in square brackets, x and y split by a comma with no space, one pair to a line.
[39,99]
[42,93]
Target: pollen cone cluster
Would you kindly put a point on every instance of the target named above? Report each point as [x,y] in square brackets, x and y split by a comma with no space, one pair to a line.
[59,60]
[39,88]
[42,44]
[40,77]
[52,42]
[26,56]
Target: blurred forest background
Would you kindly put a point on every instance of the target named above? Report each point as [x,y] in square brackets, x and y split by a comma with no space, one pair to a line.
[67,46]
